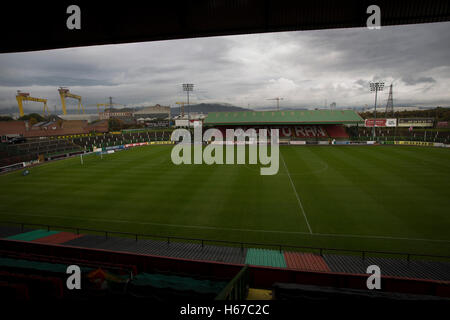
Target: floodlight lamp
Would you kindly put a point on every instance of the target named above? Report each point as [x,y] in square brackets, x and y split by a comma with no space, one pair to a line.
[376,86]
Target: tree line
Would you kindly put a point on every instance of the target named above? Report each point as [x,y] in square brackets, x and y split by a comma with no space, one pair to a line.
[439,114]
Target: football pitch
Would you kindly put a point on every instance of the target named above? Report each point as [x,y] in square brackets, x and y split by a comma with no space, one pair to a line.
[386,198]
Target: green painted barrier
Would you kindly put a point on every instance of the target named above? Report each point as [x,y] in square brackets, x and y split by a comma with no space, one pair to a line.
[32,235]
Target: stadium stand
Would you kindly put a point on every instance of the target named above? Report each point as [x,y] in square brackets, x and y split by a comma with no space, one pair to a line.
[32,148]
[45,278]
[56,147]
[299,132]
[418,269]
[182,250]
[401,134]
[263,257]
[43,259]
[28,266]
[11,160]
[307,125]
[335,131]
[107,140]
[24,274]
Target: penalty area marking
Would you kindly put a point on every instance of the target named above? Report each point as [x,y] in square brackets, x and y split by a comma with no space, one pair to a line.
[296,194]
[229,229]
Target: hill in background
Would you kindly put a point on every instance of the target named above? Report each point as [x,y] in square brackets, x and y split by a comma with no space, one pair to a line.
[207,107]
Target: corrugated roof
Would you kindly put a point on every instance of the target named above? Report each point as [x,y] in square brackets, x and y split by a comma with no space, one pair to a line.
[176,19]
[283,117]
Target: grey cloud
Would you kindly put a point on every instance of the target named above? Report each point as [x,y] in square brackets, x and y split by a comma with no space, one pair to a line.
[362,83]
[389,51]
[410,81]
[50,81]
[306,68]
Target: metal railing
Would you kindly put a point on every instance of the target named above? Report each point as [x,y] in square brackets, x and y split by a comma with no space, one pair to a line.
[237,288]
[240,244]
[402,138]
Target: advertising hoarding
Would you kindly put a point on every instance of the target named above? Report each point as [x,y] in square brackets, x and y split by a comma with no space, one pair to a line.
[181,123]
[415,143]
[416,122]
[382,122]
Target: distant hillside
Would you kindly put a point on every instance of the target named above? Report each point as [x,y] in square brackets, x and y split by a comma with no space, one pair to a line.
[207,107]
[440,114]
[123,109]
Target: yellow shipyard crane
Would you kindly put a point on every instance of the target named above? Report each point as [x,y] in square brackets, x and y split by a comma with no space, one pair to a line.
[64,93]
[25,96]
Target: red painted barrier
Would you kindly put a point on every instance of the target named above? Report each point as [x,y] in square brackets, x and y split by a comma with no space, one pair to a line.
[58,238]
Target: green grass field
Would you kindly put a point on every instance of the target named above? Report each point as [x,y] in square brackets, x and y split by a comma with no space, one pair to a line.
[359,197]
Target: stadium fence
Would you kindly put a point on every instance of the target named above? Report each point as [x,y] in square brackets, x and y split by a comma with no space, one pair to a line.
[320,250]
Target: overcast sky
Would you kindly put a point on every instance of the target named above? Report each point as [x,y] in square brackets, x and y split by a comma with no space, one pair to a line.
[306,68]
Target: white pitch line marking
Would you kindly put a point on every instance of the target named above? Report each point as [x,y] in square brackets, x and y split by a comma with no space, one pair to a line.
[228,229]
[376,237]
[296,194]
[151,223]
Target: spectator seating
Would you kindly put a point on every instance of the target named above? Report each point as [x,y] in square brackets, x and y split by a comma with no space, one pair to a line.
[336,131]
[391,134]
[37,147]
[55,147]
[107,140]
[36,277]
